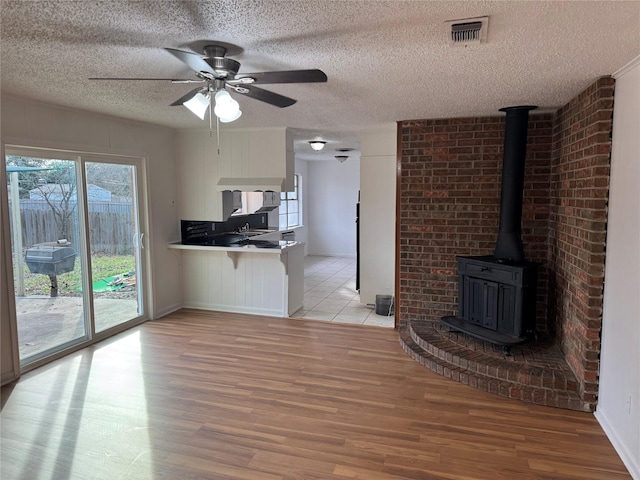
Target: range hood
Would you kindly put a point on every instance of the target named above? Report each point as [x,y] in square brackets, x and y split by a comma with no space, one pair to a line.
[264,209]
[264,184]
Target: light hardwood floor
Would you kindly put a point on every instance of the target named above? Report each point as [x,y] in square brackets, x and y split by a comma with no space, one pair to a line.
[201,395]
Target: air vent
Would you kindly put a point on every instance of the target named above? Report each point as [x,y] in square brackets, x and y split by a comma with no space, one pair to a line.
[470,31]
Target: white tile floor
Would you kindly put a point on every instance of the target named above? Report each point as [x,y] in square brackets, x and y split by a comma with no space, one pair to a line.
[330,293]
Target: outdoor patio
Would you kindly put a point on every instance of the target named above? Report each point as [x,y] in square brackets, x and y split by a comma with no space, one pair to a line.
[44,322]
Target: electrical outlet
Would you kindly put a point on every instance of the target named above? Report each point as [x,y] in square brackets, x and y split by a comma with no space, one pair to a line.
[627,404]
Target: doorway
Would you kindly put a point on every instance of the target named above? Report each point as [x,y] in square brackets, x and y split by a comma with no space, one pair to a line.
[76,248]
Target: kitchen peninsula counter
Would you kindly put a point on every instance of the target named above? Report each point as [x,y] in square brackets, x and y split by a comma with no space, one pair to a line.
[260,246]
[260,277]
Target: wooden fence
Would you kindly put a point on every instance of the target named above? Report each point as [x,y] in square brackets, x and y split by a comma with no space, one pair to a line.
[110,226]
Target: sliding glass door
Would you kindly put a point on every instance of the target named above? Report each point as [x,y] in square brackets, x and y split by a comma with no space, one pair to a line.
[76,248]
[115,242]
[47,256]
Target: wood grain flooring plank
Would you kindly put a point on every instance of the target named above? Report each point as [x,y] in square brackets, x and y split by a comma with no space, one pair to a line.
[210,395]
[567,470]
[217,470]
[305,467]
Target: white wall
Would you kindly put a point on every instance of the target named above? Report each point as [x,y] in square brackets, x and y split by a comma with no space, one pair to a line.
[618,408]
[333,193]
[30,123]
[377,213]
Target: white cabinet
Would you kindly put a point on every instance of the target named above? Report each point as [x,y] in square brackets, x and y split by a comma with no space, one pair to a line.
[259,158]
[257,153]
[271,199]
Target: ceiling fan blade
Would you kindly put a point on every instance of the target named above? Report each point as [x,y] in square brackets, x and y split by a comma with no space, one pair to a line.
[192,60]
[172,80]
[187,96]
[286,76]
[264,95]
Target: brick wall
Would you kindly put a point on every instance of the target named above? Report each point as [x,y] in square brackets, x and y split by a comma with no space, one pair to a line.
[450,201]
[580,189]
[449,191]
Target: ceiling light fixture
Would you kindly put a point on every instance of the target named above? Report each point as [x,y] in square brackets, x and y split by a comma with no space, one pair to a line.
[317,145]
[341,158]
[198,104]
[226,109]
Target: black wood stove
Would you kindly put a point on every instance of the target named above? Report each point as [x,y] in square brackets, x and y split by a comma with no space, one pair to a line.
[497,294]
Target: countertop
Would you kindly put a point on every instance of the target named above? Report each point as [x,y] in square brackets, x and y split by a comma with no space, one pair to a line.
[252,246]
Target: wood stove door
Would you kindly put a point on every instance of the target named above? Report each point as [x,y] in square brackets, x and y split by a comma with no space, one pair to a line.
[490,305]
[481,299]
[507,310]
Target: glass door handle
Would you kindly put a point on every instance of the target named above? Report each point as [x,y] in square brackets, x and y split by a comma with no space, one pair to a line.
[137,240]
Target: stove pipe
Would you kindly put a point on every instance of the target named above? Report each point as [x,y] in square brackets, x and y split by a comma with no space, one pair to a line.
[509,244]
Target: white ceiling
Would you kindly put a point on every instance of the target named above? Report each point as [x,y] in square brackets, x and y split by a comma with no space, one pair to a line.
[385,60]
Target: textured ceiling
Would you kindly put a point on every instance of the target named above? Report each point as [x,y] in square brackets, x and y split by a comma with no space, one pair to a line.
[385,60]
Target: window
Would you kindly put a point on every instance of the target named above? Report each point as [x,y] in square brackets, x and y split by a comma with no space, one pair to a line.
[291,206]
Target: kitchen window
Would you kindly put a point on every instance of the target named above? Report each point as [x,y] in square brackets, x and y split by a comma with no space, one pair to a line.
[291,206]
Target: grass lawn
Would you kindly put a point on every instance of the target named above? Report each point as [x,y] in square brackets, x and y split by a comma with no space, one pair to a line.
[69,284]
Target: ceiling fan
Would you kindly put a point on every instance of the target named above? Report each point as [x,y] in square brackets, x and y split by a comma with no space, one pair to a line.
[216,73]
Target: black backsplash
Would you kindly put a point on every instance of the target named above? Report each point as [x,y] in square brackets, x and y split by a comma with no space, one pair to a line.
[201,232]
[255,220]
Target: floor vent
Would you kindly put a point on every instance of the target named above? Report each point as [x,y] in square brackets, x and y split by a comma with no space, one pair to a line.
[469,31]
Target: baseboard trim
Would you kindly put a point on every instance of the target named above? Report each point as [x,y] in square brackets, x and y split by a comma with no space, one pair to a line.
[8,378]
[166,311]
[233,309]
[620,447]
[346,255]
[296,308]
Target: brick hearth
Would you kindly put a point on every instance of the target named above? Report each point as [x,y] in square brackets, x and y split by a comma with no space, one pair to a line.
[448,205]
[535,373]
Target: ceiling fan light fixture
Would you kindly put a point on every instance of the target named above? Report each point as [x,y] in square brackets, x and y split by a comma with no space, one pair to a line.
[218,72]
[198,104]
[317,145]
[226,109]
[231,118]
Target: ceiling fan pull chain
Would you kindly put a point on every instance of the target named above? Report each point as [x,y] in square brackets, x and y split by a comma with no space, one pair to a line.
[210,123]
[218,132]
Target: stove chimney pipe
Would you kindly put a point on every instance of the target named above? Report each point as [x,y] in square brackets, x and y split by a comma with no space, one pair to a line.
[509,244]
